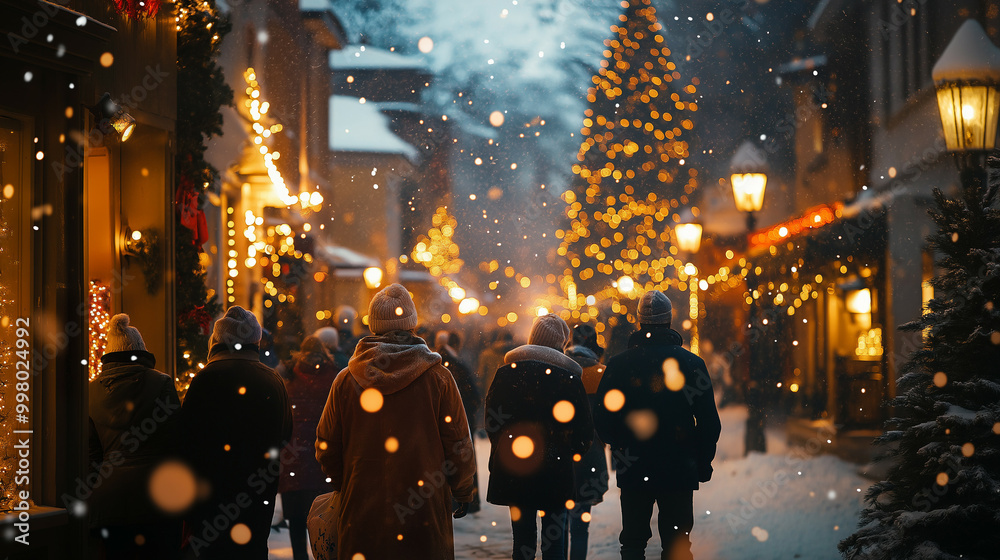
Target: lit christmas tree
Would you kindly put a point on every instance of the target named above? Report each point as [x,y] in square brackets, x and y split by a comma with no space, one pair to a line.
[942,493]
[632,173]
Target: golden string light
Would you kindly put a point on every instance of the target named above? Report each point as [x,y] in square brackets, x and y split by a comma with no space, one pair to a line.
[100,318]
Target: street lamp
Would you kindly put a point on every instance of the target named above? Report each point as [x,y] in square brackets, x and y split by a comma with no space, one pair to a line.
[689,240]
[966,78]
[688,237]
[748,170]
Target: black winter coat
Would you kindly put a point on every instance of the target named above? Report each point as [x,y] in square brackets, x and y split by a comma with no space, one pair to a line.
[663,437]
[238,420]
[135,425]
[592,469]
[536,472]
[467,385]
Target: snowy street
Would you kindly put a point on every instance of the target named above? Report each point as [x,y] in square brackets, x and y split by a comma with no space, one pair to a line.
[757,507]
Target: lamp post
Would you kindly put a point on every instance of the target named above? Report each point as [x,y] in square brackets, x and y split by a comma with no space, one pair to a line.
[748,170]
[689,240]
[966,78]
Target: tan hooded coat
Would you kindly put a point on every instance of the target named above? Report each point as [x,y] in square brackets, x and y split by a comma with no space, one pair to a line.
[399,453]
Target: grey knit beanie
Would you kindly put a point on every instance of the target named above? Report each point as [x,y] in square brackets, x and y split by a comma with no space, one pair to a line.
[654,309]
[122,337]
[329,337]
[392,309]
[239,326]
[549,330]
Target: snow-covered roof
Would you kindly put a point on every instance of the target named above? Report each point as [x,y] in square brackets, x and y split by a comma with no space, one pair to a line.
[342,257]
[969,55]
[364,57]
[357,126]
[748,159]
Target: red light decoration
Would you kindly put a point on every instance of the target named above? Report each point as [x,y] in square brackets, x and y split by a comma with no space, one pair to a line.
[816,217]
[138,9]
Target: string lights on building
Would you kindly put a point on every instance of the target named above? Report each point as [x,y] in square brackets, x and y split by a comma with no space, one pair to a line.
[100,317]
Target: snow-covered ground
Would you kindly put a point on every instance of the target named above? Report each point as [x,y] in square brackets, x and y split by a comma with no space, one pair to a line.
[789,503]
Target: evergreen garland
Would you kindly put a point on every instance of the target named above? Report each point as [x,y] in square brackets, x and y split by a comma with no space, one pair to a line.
[941,498]
[201,92]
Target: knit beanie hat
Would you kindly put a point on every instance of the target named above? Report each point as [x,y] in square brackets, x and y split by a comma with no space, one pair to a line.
[239,326]
[329,337]
[549,330]
[654,309]
[392,309]
[122,337]
[346,315]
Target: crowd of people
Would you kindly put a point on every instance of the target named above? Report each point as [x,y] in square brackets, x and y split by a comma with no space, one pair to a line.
[370,440]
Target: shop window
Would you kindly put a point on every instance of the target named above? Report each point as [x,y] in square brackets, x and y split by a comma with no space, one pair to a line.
[16,379]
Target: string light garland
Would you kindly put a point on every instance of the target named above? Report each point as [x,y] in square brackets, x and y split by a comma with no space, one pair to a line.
[100,318]
[8,357]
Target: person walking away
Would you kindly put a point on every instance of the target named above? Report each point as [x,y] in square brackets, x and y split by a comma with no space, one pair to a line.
[545,422]
[394,441]
[491,359]
[301,478]
[446,344]
[719,371]
[129,397]
[238,420]
[347,316]
[331,341]
[656,409]
[592,470]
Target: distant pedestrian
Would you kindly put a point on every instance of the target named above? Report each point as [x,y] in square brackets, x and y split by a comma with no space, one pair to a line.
[543,423]
[592,469]
[331,341]
[129,397]
[347,316]
[720,373]
[307,381]
[394,441]
[657,411]
[238,421]
[447,344]
[491,359]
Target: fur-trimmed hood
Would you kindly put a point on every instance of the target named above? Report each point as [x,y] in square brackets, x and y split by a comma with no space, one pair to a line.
[544,354]
[391,361]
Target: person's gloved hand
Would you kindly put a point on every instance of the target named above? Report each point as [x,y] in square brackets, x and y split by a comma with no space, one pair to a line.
[705,473]
[461,510]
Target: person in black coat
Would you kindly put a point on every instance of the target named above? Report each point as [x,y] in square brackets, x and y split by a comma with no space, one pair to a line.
[447,344]
[134,430]
[657,411]
[238,421]
[538,422]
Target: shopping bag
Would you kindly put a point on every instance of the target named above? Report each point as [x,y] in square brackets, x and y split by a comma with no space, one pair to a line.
[324,516]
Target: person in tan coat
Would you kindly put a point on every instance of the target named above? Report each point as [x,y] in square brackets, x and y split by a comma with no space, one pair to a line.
[395,442]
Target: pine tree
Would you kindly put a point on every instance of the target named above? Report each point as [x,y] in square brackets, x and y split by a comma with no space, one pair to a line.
[941,497]
[632,172]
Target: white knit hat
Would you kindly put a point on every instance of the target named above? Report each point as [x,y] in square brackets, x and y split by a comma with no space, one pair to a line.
[655,309]
[549,330]
[239,326]
[122,337]
[329,337]
[392,309]
[346,315]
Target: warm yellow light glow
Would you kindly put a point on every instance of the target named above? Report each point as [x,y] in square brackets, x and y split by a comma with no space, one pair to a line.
[859,301]
[626,285]
[468,305]
[748,191]
[688,237]
[373,277]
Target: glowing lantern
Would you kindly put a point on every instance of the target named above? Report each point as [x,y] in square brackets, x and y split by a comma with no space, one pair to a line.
[966,78]
[373,277]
